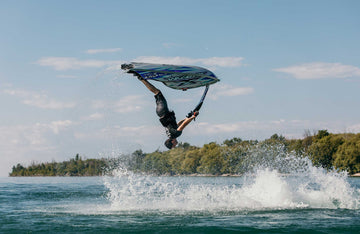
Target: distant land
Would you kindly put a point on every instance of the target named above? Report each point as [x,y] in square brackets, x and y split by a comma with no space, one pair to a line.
[232,157]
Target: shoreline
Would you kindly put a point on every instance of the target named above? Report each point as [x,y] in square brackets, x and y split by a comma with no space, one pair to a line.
[166,175]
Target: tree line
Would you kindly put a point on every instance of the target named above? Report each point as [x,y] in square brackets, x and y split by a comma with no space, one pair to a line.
[233,156]
[74,167]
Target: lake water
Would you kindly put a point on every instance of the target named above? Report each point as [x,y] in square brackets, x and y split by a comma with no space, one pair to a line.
[261,202]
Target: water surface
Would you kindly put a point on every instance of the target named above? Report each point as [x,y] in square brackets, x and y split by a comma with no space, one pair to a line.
[261,202]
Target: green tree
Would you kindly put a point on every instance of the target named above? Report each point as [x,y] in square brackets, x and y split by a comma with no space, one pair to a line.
[232,142]
[323,149]
[156,163]
[211,161]
[175,158]
[184,145]
[321,134]
[137,159]
[233,158]
[348,156]
[191,161]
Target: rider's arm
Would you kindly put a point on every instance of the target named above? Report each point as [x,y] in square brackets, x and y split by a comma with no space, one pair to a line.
[183,123]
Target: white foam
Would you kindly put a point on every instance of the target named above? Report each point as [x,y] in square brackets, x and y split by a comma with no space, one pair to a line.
[303,186]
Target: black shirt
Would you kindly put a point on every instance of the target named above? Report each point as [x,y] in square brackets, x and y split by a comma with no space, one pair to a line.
[169,122]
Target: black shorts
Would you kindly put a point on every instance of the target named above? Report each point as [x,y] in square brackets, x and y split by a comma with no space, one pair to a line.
[161,105]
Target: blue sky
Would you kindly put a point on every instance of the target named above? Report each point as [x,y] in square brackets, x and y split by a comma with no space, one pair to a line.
[285,67]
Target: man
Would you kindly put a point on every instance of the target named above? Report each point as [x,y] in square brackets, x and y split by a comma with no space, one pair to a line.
[167,117]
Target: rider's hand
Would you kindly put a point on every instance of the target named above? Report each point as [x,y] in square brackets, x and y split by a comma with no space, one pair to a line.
[196,113]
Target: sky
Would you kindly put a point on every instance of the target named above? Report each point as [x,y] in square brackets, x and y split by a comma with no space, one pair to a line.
[285,67]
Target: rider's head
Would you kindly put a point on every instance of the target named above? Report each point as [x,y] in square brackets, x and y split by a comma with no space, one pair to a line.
[170,143]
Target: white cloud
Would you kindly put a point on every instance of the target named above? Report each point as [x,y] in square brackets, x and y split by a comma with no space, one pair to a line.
[244,129]
[321,70]
[99,104]
[67,76]
[94,116]
[127,104]
[69,63]
[259,129]
[208,128]
[97,51]
[39,100]
[31,137]
[134,131]
[42,102]
[223,90]
[354,128]
[57,126]
[25,143]
[213,61]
